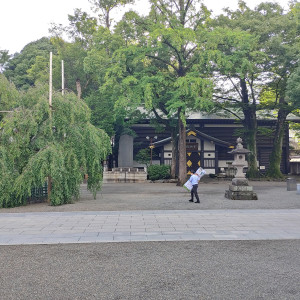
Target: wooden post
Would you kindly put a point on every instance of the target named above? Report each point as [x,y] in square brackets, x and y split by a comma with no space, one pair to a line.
[62,78]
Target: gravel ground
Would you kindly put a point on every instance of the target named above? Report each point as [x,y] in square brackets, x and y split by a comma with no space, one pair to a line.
[152,270]
[168,196]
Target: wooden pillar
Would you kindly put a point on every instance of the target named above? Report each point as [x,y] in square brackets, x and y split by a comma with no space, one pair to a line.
[216,161]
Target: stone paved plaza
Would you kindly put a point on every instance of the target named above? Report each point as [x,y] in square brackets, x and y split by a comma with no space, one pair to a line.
[134,226]
[156,212]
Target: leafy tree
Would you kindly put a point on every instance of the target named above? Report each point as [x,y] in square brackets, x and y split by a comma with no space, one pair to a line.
[143,157]
[238,72]
[90,35]
[293,94]
[99,59]
[261,70]
[33,53]
[75,78]
[36,143]
[163,64]
[284,48]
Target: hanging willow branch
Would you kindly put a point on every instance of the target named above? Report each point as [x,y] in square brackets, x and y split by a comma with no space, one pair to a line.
[34,146]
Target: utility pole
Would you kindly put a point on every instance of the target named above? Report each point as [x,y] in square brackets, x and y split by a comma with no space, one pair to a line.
[50,116]
[62,78]
[50,83]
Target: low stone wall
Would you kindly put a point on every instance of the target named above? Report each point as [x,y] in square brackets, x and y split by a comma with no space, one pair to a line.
[124,175]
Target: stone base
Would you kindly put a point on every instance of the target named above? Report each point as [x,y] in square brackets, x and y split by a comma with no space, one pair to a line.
[124,175]
[240,181]
[240,193]
[240,188]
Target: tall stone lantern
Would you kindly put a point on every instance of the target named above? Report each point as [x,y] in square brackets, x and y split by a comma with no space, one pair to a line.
[239,189]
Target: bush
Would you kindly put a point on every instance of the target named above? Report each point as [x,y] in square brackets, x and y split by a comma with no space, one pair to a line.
[156,172]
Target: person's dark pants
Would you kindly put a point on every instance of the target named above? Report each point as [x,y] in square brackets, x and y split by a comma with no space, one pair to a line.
[195,192]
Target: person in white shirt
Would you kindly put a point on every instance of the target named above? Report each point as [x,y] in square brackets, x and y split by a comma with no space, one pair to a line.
[194,179]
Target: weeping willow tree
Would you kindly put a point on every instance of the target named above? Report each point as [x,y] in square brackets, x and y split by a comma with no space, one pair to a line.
[36,144]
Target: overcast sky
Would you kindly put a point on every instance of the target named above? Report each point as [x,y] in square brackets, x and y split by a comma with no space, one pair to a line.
[24,21]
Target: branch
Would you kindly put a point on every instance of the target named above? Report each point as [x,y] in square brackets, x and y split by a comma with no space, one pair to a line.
[190,51]
[163,121]
[177,7]
[162,108]
[231,112]
[188,3]
[235,87]
[252,91]
[227,99]
[165,62]
[164,11]
[171,46]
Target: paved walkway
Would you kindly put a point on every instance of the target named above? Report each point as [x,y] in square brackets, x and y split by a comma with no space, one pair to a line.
[171,225]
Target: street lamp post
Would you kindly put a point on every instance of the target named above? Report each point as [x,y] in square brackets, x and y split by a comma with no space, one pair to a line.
[151,146]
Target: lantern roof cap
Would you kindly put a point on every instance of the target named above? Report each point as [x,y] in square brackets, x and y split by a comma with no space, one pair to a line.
[239,148]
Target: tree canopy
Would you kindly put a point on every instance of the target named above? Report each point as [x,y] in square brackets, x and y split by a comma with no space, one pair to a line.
[175,60]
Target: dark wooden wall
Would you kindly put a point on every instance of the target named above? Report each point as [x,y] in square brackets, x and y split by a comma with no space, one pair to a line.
[228,134]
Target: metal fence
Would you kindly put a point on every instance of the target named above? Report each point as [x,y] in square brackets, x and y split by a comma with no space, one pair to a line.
[39,194]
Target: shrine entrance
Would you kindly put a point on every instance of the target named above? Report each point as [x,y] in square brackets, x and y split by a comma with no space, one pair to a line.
[193,161]
[193,155]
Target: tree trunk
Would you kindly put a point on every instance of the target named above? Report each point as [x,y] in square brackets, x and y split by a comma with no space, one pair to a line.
[78,87]
[275,157]
[49,189]
[250,125]
[182,149]
[174,153]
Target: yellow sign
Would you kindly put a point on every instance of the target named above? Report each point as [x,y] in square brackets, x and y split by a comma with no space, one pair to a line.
[191,133]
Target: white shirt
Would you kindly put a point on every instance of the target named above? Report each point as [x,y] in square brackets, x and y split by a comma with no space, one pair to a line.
[194,179]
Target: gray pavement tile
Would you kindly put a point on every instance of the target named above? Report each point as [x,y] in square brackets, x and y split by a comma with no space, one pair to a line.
[160,225]
[166,237]
[122,238]
[197,237]
[225,236]
[137,230]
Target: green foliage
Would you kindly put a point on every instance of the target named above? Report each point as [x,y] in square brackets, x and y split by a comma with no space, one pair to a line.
[293,88]
[143,156]
[18,66]
[8,95]
[73,55]
[105,7]
[4,57]
[62,145]
[156,172]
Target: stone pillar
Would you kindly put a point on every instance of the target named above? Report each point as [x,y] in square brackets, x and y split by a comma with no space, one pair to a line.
[125,157]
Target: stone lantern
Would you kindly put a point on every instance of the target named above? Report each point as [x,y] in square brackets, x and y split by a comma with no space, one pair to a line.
[239,188]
